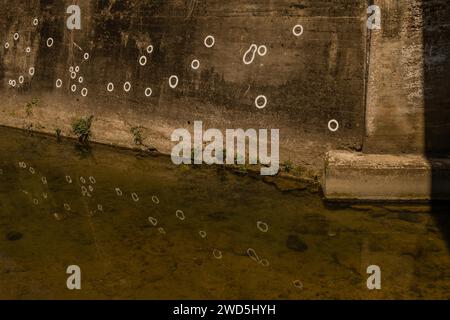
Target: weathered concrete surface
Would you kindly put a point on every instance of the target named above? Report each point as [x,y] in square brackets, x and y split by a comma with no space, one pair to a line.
[358,176]
[308,80]
[408,96]
[395,99]
[407,112]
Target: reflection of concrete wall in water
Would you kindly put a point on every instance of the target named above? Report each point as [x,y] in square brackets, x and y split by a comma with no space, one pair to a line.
[307,80]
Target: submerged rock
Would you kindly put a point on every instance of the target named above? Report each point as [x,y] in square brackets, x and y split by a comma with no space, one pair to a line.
[14,236]
[294,242]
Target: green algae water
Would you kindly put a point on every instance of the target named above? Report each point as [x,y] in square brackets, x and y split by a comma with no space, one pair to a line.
[140,227]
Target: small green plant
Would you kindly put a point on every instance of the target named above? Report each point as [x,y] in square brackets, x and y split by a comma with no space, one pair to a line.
[82,129]
[287,166]
[58,134]
[241,168]
[28,127]
[29,106]
[137,136]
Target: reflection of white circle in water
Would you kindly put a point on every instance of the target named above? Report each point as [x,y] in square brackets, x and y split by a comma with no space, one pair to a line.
[49,42]
[6,45]
[16,36]
[57,216]
[31,71]
[36,201]
[173,81]
[298,284]
[261,101]
[31,169]
[202,233]
[58,83]
[209,41]
[331,127]
[143,60]
[80,79]
[150,49]
[252,254]
[155,199]
[77,69]
[92,180]
[73,75]
[44,195]
[35,22]
[84,190]
[253,48]
[21,79]
[71,69]
[262,50]
[195,64]
[180,215]
[13,83]
[264,262]
[148,92]
[127,86]
[84,92]
[217,254]
[67,207]
[74,88]
[135,197]
[100,207]
[153,221]
[91,188]
[28,50]
[68,179]
[82,180]
[262,226]
[297,30]
[86,56]
[44,180]
[161,230]
[110,87]
[119,192]
[23,165]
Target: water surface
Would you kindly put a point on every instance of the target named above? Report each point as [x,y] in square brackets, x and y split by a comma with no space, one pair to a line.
[140,227]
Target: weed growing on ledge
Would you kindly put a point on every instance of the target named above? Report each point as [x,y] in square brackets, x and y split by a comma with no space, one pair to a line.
[82,129]
[58,134]
[287,166]
[28,128]
[29,106]
[137,136]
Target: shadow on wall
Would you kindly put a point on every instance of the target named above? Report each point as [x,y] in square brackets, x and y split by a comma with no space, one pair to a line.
[436,55]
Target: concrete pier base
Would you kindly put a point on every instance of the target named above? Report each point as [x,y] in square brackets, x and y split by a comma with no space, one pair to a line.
[371,177]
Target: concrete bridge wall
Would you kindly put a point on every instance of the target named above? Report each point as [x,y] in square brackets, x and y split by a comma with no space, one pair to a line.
[308,80]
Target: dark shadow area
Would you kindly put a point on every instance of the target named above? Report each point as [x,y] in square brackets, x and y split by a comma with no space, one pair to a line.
[436,57]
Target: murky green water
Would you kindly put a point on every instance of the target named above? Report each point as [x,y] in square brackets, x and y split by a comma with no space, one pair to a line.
[301,248]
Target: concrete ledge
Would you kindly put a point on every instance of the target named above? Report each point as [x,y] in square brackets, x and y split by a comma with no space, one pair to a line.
[372,177]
